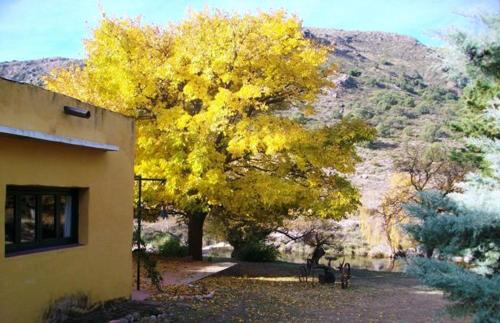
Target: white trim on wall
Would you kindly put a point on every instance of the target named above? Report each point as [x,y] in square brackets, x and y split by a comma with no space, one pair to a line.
[37,135]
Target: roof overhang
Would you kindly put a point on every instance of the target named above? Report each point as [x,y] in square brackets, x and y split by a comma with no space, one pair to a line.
[41,136]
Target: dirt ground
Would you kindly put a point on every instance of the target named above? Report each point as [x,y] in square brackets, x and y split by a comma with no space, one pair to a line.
[257,292]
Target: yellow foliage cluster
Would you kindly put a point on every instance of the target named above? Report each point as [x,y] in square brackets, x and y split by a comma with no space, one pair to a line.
[205,94]
[385,224]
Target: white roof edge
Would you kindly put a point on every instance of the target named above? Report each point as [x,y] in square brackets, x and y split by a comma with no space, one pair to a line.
[55,138]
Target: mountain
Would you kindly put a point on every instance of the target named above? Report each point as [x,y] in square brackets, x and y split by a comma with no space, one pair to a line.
[392,81]
[395,83]
[33,71]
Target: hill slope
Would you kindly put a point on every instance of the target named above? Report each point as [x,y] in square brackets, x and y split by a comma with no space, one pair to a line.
[32,71]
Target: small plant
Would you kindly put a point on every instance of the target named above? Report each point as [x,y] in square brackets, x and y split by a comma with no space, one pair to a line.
[364,112]
[148,262]
[171,246]
[423,108]
[150,265]
[384,130]
[61,309]
[375,83]
[355,72]
[430,133]
[257,251]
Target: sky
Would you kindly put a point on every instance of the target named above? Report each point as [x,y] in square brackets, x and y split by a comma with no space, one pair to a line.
[31,29]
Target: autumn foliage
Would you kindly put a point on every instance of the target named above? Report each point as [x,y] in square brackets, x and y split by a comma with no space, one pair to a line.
[205,94]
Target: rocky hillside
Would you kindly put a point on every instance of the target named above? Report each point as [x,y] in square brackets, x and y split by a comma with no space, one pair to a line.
[392,81]
[396,84]
[33,71]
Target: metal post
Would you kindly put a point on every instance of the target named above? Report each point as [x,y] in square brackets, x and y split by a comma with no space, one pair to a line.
[139,179]
[139,218]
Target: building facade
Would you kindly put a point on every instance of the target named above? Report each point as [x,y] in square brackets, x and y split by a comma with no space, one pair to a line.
[66,201]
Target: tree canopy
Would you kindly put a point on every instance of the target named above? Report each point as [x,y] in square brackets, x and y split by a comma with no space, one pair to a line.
[206,93]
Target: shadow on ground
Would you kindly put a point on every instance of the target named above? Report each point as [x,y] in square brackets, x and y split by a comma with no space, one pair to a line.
[271,292]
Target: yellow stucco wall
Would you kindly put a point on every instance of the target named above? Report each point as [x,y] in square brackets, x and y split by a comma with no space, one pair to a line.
[100,266]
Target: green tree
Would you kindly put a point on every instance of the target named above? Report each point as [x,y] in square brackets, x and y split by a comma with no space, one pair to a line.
[456,230]
[467,224]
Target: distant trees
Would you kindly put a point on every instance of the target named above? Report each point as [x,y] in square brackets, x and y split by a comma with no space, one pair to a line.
[430,166]
[205,93]
[421,167]
[392,213]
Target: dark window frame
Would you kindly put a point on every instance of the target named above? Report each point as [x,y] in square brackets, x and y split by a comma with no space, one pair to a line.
[17,191]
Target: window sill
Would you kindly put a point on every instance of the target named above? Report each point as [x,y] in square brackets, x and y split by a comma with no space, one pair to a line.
[43,249]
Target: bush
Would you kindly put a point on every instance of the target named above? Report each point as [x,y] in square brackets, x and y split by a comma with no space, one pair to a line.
[438,94]
[403,112]
[355,72]
[364,113]
[384,130]
[407,101]
[375,83]
[408,132]
[423,108]
[63,308]
[386,99]
[257,251]
[396,122]
[391,124]
[171,246]
[149,263]
[433,132]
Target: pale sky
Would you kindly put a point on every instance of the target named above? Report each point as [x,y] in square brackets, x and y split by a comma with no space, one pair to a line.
[31,29]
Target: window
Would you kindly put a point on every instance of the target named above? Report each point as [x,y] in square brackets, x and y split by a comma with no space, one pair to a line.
[38,217]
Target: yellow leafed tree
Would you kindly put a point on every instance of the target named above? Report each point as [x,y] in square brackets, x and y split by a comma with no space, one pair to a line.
[205,93]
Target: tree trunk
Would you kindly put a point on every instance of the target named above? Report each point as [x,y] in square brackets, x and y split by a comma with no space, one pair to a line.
[195,234]
[429,252]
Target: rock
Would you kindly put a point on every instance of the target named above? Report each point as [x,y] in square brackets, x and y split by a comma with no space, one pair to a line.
[122,320]
[346,81]
[163,318]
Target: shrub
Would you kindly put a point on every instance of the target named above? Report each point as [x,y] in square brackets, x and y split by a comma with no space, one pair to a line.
[438,94]
[355,72]
[391,124]
[423,108]
[384,130]
[386,99]
[171,246]
[408,132]
[407,101]
[375,83]
[430,132]
[63,308]
[257,251]
[364,113]
[149,263]
[410,83]
[397,122]
[403,112]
